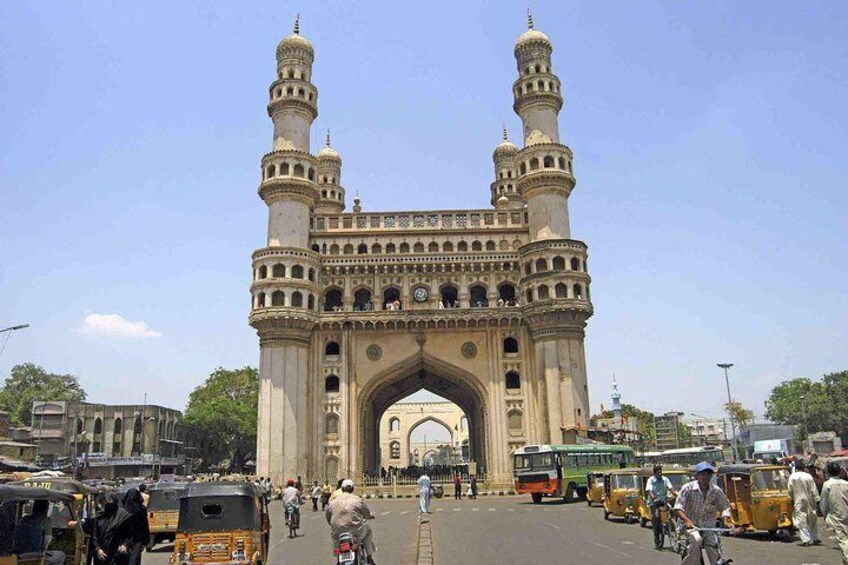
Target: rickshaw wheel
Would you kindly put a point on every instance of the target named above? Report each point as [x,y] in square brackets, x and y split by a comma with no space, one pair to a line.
[606,515]
[588,503]
[628,518]
[537,497]
[643,522]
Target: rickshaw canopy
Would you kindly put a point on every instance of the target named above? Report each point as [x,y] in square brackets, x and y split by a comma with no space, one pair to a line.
[215,507]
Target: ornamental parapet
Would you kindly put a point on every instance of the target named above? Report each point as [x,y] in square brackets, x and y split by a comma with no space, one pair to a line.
[543,181]
[278,323]
[557,317]
[288,188]
[424,318]
[286,252]
[569,245]
[530,99]
[435,220]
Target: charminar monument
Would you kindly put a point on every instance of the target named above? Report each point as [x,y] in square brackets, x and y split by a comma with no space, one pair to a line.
[356,310]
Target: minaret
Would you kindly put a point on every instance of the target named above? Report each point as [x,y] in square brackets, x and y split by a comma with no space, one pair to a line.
[555,282]
[286,271]
[331,200]
[616,399]
[504,190]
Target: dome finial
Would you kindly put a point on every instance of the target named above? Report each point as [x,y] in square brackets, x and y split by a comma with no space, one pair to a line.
[529,19]
[328,137]
[503,125]
[297,25]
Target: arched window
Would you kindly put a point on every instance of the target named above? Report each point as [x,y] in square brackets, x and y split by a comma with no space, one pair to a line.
[404,248]
[559,263]
[534,163]
[447,247]
[476,246]
[433,247]
[463,424]
[263,272]
[506,292]
[162,428]
[278,271]
[449,296]
[462,246]
[491,246]
[331,384]
[578,292]
[510,345]
[284,169]
[575,264]
[541,265]
[513,381]
[98,426]
[478,296]
[394,425]
[311,275]
[334,249]
[332,348]
[561,291]
[562,163]
[297,299]
[549,162]
[310,174]
[515,421]
[297,272]
[543,292]
[331,425]
[137,433]
[311,302]
[362,300]
[522,168]
[79,426]
[117,428]
[278,298]
[394,448]
[529,296]
[260,300]
[348,249]
[362,249]
[298,170]
[272,171]
[332,300]
[376,249]
[316,248]
[418,247]
[391,299]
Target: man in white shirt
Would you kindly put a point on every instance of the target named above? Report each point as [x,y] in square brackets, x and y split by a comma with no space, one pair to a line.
[805,498]
[424,491]
[834,507]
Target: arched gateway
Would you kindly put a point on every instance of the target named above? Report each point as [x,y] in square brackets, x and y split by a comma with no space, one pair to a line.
[354,311]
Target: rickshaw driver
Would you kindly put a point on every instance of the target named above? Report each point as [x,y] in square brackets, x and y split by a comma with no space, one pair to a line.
[697,504]
[659,489]
[291,497]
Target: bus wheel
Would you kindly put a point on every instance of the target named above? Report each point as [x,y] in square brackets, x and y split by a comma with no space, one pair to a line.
[569,492]
[537,497]
[606,515]
[581,492]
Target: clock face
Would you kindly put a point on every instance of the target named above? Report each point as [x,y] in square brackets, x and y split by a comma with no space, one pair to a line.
[420,294]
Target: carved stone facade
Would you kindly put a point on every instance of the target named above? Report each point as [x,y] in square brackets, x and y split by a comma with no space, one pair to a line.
[355,311]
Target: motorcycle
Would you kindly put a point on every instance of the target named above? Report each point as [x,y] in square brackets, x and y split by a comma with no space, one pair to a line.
[350,551]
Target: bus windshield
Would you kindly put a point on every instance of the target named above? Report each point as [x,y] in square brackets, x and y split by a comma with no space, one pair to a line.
[534,462]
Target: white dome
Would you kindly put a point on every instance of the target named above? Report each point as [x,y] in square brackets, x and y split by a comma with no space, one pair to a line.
[532,36]
[506,147]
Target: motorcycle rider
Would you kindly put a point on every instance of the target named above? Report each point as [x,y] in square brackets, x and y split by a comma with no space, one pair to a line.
[291,497]
[659,490]
[348,513]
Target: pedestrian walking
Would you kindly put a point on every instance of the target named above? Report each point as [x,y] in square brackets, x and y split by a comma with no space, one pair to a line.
[326,491]
[134,505]
[113,533]
[805,498]
[299,484]
[473,486]
[457,487]
[424,491]
[316,493]
[834,507]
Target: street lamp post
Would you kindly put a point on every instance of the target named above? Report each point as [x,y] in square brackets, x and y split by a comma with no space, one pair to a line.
[726,366]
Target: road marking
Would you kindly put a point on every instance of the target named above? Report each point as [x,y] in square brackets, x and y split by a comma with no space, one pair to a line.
[510,509]
[389,512]
[457,509]
[553,525]
[475,510]
[404,512]
[491,509]
[611,549]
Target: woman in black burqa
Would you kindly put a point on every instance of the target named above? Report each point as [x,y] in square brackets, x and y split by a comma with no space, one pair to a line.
[113,533]
[134,505]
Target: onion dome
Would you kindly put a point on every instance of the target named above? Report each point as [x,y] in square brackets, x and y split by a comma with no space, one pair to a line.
[532,35]
[505,147]
[327,152]
[502,202]
[294,42]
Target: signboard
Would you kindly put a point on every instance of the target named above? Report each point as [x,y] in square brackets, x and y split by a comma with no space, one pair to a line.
[145,459]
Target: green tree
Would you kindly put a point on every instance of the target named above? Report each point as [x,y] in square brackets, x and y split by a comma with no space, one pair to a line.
[784,403]
[29,382]
[224,410]
[825,403]
[739,413]
[644,423]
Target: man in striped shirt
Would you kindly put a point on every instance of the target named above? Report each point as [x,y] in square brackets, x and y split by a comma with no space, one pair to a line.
[696,506]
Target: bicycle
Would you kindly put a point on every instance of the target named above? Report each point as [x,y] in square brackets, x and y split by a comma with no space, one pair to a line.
[712,540]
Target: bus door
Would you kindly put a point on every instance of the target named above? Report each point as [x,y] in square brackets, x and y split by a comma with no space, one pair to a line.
[559,474]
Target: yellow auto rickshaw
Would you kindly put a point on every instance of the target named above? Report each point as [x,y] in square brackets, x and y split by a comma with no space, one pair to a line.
[595,488]
[678,477]
[222,523]
[758,494]
[65,517]
[18,502]
[163,511]
[621,493]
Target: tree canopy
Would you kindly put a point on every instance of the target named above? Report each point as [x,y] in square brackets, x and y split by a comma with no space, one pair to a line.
[224,410]
[644,422]
[825,403]
[29,382]
[739,413]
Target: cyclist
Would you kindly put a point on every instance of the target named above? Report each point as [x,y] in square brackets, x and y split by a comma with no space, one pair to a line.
[696,506]
[291,497]
[659,490]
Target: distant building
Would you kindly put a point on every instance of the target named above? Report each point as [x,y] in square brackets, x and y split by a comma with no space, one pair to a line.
[667,431]
[4,424]
[707,431]
[750,433]
[397,449]
[618,429]
[100,440]
[16,453]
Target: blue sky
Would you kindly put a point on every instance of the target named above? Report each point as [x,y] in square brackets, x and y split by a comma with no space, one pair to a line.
[709,145]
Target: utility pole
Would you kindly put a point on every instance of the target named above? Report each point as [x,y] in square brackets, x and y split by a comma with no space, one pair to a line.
[726,366]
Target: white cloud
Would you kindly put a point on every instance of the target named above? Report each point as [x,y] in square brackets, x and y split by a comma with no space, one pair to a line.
[113,325]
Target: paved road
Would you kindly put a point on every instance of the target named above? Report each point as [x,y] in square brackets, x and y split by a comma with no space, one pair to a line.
[512,530]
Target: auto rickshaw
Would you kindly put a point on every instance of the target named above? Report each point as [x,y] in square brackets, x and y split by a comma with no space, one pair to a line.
[758,494]
[678,477]
[595,488]
[163,511]
[15,502]
[71,539]
[222,523]
[621,493]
